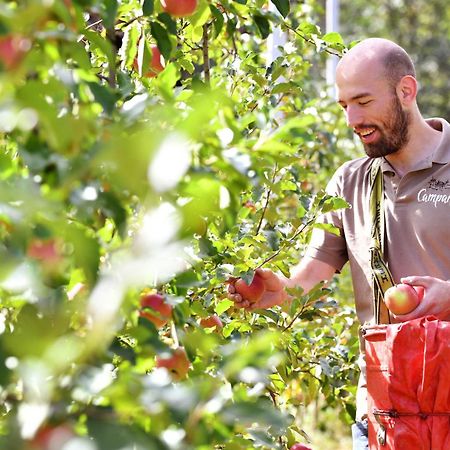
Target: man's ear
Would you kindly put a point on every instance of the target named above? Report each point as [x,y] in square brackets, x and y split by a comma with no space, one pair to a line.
[407,89]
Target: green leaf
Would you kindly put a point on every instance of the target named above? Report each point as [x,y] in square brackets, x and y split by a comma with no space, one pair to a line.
[162,39]
[148,7]
[168,21]
[219,20]
[263,25]
[333,38]
[330,228]
[223,306]
[283,6]
[110,11]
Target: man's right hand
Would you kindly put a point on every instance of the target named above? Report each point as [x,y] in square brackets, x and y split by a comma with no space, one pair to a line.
[266,290]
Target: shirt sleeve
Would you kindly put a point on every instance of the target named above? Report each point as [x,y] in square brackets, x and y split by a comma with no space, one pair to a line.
[325,246]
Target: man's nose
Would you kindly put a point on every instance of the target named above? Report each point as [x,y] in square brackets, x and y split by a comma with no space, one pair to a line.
[353,116]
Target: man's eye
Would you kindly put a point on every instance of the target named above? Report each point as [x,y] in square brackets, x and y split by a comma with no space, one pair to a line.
[365,103]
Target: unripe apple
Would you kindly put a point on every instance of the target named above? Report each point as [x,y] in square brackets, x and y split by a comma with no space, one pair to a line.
[401,298]
[179,8]
[156,66]
[252,291]
[155,309]
[177,363]
[211,321]
[299,446]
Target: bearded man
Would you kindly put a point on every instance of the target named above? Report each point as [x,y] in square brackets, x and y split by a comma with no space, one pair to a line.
[377,89]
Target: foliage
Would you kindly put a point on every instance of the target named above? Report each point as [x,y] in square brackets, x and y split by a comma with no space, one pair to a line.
[115,184]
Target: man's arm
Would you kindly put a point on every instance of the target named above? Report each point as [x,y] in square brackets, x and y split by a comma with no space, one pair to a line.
[306,275]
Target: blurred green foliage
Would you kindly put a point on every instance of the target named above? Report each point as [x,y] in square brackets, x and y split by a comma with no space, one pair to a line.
[115,185]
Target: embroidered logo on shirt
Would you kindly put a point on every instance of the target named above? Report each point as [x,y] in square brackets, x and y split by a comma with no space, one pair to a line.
[438,185]
[438,194]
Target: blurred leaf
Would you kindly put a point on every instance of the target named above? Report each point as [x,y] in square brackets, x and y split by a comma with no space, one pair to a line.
[283,6]
[148,7]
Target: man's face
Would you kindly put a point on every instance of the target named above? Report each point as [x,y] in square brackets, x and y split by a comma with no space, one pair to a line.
[390,130]
[372,109]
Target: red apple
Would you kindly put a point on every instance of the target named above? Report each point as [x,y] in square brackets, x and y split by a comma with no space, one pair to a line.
[177,363]
[157,64]
[299,446]
[51,437]
[155,309]
[401,299]
[47,250]
[12,50]
[179,8]
[252,291]
[211,321]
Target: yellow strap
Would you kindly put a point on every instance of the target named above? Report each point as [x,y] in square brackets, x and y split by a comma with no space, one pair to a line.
[382,277]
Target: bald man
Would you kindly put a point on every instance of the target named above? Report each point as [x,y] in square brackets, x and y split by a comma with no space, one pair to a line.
[377,89]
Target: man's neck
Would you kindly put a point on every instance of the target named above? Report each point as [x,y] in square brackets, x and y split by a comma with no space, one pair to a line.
[423,141]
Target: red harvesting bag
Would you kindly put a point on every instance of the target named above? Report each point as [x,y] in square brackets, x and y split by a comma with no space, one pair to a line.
[408,384]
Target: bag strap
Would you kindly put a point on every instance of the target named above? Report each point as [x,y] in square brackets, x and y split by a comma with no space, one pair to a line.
[382,277]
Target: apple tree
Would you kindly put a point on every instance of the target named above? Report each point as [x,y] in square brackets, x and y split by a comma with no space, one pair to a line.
[152,151]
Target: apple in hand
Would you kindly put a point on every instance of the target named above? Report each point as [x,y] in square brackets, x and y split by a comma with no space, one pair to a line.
[252,291]
[299,446]
[177,363]
[156,65]
[155,309]
[402,298]
[179,8]
[211,321]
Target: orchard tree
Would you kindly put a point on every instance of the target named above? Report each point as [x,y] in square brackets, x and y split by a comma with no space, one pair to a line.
[152,152]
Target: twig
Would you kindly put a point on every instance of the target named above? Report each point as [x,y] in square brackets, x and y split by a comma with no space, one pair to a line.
[206,62]
[269,192]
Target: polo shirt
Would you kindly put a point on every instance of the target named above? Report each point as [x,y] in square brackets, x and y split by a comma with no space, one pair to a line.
[417,219]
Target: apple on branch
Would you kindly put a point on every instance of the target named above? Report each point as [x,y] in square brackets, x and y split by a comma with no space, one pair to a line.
[155,309]
[179,8]
[176,363]
[299,446]
[12,50]
[211,322]
[403,298]
[156,63]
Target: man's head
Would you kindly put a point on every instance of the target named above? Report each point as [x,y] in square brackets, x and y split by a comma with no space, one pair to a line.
[377,89]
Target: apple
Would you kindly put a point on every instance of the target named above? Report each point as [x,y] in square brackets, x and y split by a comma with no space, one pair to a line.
[155,309]
[177,363]
[211,321]
[45,250]
[51,437]
[12,50]
[252,291]
[401,298]
[299,446]
[179,8]
[157,64]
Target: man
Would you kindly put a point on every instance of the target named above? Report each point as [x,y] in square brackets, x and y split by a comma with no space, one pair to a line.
[377,90]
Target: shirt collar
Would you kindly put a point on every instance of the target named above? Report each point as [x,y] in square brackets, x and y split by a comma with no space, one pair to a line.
[442,153]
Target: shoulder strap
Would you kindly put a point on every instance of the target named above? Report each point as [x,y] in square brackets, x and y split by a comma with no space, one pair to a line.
[382,277]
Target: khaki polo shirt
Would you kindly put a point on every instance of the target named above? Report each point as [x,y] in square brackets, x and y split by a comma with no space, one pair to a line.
[417,220]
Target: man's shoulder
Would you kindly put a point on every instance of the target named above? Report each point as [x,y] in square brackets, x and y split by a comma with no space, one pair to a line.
[354,167]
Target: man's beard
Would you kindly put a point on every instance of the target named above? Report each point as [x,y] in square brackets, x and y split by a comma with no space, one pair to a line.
[393,134]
